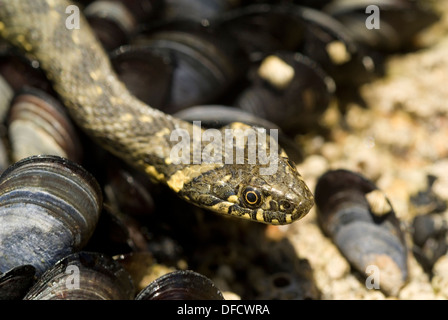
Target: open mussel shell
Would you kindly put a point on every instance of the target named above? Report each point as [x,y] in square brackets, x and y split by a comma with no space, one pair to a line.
[218,116]
[181,285]
[84,276]
[49,207]
[38,124]
[15,283]
[360,220]
[290,90]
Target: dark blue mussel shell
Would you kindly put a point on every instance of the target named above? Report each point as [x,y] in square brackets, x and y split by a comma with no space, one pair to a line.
[367,234]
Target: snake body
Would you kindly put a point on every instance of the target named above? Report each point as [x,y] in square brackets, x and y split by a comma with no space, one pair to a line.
[79,68]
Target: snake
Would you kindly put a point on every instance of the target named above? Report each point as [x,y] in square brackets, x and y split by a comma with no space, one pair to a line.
[80,71]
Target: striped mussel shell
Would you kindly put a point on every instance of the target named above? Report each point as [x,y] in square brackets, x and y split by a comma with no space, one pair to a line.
[49,208]
[38,124]
[181,285]
[84,276]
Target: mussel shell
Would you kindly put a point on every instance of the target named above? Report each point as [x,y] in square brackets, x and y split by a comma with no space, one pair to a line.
[38,124]
[340,198]
[84,276]
[6,94]
[366,237]
[322,33]
[4,152]
[146,72]
[188,79]
[217,116]
[20,70]
[364,244]
[428,226]
[181,285]
[429,235]
[142,268]
[112,22]
[49,207]
[261,29]
[296,107]
[144,10]
[15,283]
[425,202]
[200,68]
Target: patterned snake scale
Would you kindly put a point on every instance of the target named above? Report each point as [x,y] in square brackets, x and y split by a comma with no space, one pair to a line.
[79,68]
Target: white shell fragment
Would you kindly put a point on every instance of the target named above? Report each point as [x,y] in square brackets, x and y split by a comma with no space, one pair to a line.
[378,202]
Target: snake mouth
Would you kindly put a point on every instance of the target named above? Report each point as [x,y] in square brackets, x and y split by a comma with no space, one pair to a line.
[275,217]
[304,207]
[227,208]
[281,218]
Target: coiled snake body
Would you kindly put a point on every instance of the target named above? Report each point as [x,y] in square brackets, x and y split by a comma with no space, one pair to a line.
[100,104]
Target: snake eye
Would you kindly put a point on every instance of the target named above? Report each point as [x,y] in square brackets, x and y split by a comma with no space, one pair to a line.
[251,196]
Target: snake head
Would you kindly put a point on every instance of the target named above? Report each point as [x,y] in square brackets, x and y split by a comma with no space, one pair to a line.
[240,190]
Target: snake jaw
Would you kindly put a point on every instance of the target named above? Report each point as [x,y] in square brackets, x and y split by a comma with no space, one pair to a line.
[232,207]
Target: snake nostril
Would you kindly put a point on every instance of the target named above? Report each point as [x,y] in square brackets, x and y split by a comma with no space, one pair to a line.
[285,205]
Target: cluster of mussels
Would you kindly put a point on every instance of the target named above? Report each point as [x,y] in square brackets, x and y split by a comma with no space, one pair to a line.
[77,223]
